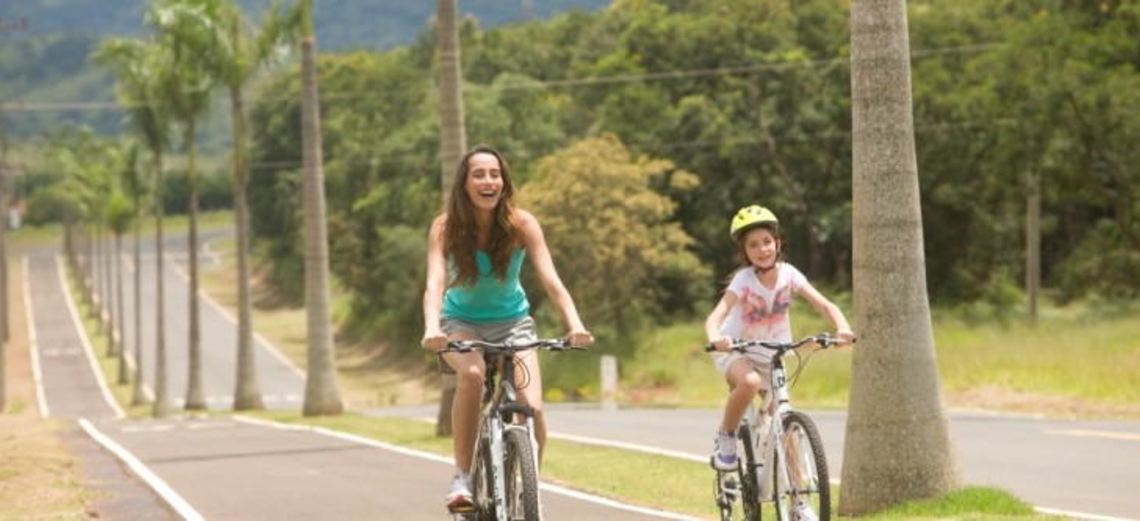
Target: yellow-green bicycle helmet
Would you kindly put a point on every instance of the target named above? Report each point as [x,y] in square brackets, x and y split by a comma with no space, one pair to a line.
[750,217]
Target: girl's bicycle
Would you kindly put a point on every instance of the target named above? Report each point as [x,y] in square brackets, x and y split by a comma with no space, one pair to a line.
[504,473]
[782,462]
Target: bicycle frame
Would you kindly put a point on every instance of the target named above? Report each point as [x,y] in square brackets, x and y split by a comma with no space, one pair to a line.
[778,402]
[500,404]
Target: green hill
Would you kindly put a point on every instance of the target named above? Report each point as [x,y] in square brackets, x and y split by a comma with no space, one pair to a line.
[44,44]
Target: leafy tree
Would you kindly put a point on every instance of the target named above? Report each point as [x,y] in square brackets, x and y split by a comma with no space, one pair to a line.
[601,216]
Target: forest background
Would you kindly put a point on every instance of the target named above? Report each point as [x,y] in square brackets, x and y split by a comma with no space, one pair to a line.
[636,130]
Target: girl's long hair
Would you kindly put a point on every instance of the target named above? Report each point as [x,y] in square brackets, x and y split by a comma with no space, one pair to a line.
[460,233]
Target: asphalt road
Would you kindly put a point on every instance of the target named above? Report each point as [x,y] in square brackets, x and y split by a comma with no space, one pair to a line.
[234,469]
[282,385]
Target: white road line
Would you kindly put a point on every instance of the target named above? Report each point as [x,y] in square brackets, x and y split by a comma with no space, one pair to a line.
[1112,435]
[441,459]
[586,440]
[1079,515]
[90,351]
[33,346]
[257,336]
[160,487]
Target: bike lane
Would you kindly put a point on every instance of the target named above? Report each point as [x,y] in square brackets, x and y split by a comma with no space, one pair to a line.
[235,468]
[68,388]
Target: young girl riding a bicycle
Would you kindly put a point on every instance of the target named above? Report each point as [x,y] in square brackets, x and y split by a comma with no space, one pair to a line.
[755,306]
[475,253]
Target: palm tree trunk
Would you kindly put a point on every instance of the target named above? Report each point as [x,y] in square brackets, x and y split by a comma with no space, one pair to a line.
[161,402]
[247,394]
[898,445]
[321,393]
[137,395]
[120,319]
[453,142]
[195,398]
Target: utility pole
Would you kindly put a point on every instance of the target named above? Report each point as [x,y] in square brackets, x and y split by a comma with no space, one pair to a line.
[5,25]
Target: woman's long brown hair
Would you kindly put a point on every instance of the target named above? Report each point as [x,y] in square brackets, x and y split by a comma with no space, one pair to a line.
[461,234]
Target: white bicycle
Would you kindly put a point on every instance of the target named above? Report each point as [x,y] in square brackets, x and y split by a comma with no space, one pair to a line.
[504,476]
[782,462]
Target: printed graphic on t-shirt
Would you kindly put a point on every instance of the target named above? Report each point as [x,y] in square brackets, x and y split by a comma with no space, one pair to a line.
[758,316]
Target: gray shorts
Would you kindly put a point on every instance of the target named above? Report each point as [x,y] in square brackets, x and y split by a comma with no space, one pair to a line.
[762,365]
[520,330]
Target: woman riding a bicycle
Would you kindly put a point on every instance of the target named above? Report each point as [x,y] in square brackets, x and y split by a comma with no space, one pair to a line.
[475,254]
[755,306]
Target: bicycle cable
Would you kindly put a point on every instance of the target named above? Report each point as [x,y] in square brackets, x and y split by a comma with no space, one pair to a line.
[525,373]
[801,363]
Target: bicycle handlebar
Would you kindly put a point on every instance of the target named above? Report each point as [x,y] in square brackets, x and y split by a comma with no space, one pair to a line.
[466,346]
[741,345]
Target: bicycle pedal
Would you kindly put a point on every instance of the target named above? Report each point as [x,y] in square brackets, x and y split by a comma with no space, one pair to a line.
[462,509]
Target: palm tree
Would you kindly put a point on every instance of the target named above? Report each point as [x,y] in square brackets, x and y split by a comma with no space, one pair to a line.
[322,395]
[138,67]
[119,215]
[902,451]
[186,28]
[452,144]
[239,57]
[134,184]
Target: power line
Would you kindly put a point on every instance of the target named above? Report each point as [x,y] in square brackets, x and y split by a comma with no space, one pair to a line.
[73,106]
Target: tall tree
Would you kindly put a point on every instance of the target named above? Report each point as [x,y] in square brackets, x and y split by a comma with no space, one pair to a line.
[240,53]
[903,451]
[322,396]
[187,27]
[139,67]
[452,144]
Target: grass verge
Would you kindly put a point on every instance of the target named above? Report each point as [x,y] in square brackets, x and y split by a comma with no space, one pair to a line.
[38,479]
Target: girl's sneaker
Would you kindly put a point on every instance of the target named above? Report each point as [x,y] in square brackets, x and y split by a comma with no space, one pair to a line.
[724,457]
[459,498]
[804,512]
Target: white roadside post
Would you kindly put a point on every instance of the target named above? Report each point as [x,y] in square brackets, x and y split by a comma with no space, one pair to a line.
[609,382]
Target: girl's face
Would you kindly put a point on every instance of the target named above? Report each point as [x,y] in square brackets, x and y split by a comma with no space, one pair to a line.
[484,183]
[761,247]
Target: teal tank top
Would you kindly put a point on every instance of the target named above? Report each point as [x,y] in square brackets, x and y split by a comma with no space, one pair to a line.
[489,299]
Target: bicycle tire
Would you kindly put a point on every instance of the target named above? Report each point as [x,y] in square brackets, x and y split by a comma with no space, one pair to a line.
[749,484]
[813,485]
[521,477]
[482,483]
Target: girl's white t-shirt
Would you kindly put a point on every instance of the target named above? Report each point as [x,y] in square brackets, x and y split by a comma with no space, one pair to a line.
[761,313]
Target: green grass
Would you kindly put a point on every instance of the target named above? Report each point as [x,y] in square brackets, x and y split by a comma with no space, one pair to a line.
[1078,360]
[964,503]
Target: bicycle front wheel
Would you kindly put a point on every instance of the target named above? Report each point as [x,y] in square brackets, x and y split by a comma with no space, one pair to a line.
[808,486]
[521,477]
[749,477]
[482,482]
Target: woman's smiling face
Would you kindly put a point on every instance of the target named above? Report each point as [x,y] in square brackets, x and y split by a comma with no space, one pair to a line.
[484,181]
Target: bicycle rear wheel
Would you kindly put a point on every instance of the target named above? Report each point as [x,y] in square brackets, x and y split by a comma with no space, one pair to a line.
[807,469]
[521,477]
